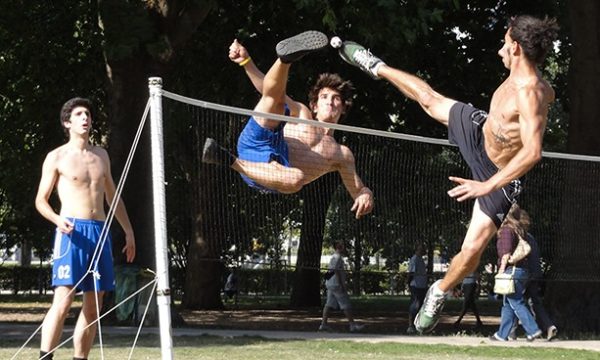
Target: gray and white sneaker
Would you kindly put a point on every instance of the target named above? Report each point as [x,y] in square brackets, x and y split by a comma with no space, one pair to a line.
[295,47]
[429,314]
[356,54]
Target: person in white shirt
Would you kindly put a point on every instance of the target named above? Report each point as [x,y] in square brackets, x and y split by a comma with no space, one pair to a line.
[337,295]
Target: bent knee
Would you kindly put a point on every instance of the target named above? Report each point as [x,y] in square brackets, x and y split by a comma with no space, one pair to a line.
[60,310]
[472,250]
[427,99]
[435,105]
[294,182]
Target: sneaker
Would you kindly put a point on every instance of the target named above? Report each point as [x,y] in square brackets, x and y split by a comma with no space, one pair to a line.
[535,335]
[294,48]
[495,337]
[354,327]
[213,153]
[324,327]
[429,314]
[355,54]
[552,331]
[411,330]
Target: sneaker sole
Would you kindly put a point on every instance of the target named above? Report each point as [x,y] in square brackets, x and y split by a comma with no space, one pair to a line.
[295,47]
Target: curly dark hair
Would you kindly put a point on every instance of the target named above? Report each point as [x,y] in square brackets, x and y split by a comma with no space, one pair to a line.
[535,36]
[67,109]
[335,82]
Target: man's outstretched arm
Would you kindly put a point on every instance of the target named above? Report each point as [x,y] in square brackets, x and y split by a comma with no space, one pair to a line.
[120,211]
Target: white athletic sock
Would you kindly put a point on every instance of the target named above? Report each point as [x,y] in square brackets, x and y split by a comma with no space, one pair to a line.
[375,69]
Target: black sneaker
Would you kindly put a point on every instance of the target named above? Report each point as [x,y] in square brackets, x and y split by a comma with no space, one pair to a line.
[213,153]
[295,47]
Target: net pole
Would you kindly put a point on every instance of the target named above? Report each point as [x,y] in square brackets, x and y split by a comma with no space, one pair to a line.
[163,292]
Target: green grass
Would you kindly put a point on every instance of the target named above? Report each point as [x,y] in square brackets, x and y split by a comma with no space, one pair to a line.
[253,348]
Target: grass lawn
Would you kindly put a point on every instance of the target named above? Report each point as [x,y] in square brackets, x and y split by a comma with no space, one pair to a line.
[31,308]
[253,348]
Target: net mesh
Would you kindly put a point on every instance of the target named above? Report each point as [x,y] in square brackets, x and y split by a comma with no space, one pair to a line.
[409,180]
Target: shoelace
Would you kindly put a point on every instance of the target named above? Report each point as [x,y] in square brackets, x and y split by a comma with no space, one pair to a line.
[432,304]
[364,58]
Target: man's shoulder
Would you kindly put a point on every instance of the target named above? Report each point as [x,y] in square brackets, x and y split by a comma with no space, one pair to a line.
[345,154]
[536,88]
[100,151]
[56,153]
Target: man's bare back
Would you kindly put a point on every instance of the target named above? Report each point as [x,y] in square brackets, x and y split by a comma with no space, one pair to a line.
[81,177]
[502,129]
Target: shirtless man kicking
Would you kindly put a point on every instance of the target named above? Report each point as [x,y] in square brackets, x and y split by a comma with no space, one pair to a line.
[282,157]
[81,173]
[499,147]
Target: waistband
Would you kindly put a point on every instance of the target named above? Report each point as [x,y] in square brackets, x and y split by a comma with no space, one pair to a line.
[76,221]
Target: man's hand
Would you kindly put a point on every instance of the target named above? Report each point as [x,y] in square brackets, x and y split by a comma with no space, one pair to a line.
[468,189]
[363,204]
[237,52]
[64,225]
[129,248]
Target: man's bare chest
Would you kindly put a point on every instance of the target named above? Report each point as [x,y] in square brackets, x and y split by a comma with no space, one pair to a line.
[81,170]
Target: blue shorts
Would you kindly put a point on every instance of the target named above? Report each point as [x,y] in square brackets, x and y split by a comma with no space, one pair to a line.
[258,144]
[73,256]
[465,130]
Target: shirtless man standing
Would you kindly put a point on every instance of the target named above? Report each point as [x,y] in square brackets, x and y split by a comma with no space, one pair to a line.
[82,176]
[499,147]
[282,157]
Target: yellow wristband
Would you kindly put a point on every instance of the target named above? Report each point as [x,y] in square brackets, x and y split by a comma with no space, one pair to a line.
[245,61]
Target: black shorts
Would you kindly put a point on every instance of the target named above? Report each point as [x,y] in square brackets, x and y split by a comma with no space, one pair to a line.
[465,130]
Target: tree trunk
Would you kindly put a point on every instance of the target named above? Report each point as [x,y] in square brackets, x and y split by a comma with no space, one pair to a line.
[574,302]
[306,291]
[140,41]
[127,98]
[25,253]
[584,77]
[204,269]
